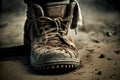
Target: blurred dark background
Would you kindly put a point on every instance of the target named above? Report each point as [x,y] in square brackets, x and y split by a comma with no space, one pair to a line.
[16,5]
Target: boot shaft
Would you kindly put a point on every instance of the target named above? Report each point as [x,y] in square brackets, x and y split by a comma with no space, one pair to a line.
[57,8]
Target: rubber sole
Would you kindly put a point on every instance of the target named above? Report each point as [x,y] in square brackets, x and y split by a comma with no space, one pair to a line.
[55,65]
[54,69]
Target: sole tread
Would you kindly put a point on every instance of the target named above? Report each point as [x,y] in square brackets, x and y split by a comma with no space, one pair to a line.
[52,67]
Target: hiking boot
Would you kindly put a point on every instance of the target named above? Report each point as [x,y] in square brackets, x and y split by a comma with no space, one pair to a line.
[46,33]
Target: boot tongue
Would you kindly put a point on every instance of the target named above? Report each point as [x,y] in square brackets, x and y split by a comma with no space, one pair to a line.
[56,8]
[55,11]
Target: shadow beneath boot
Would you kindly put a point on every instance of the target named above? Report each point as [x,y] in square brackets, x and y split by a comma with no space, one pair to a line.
[21,54]
[15,51]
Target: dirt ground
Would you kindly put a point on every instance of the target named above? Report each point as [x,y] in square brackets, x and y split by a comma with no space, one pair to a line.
[98,41]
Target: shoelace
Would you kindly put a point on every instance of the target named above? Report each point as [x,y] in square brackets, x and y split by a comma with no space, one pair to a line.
[53,29]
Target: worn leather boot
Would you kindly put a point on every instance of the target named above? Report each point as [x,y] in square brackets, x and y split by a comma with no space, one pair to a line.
[46,33]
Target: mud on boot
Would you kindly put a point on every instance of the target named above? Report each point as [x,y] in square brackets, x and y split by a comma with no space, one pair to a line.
[46,33]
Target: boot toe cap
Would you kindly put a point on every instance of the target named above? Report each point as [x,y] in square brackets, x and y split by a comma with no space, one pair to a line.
[54,56]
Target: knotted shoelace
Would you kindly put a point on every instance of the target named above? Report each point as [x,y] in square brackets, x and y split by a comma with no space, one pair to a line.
[53,30]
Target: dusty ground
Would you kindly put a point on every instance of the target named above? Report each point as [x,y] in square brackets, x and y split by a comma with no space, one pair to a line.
[98,42]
